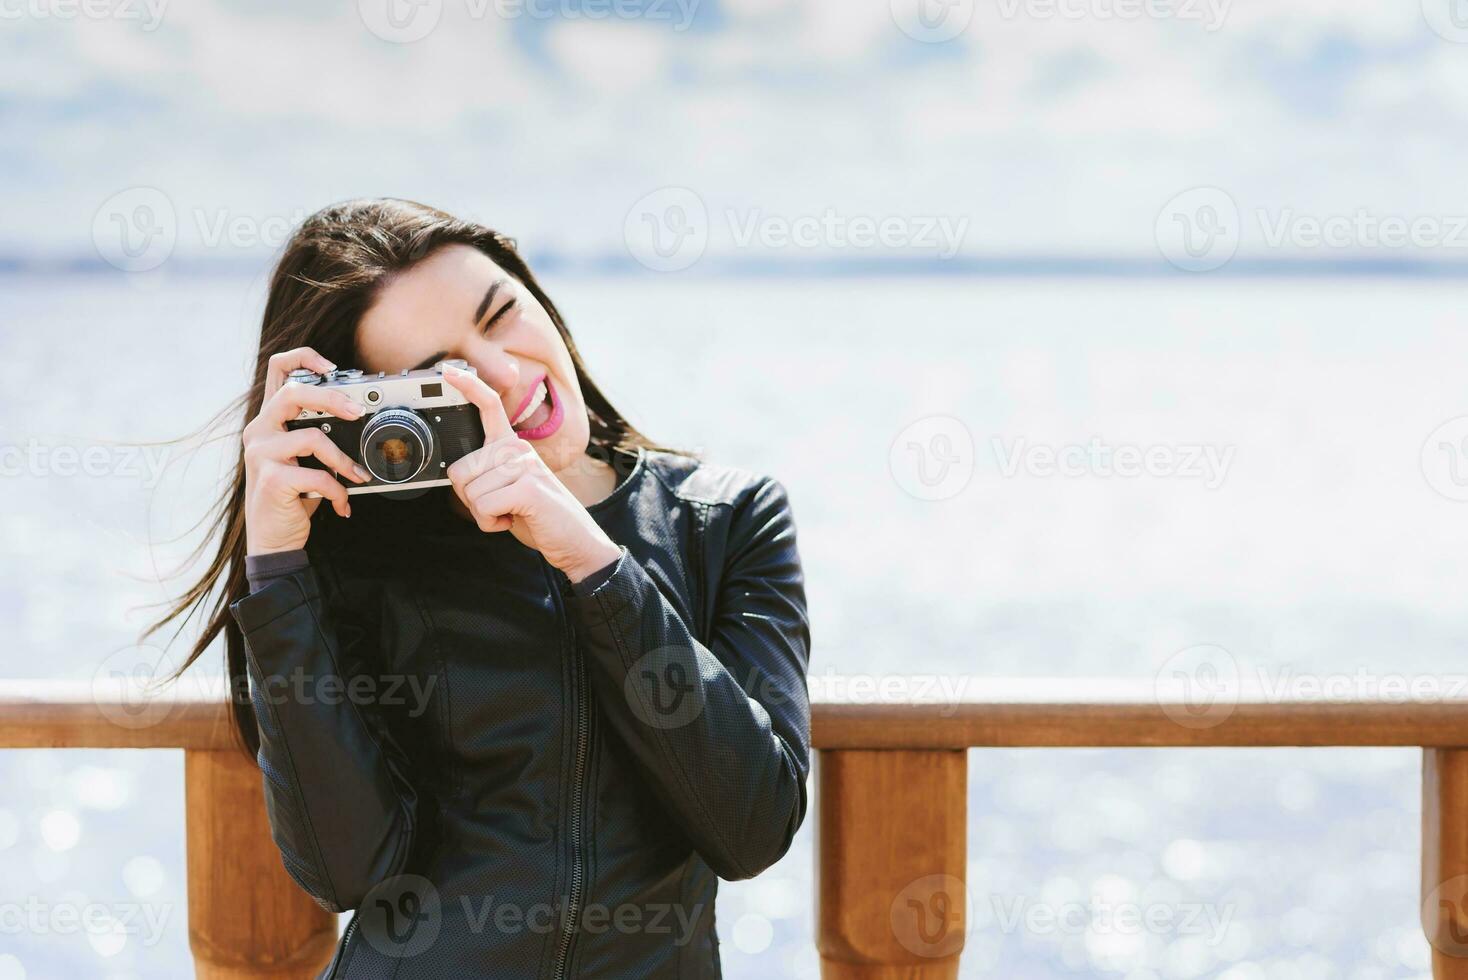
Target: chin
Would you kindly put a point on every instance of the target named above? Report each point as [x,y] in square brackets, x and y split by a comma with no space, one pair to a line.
[568,446]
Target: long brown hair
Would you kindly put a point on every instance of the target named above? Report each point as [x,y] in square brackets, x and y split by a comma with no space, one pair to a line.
[328,276]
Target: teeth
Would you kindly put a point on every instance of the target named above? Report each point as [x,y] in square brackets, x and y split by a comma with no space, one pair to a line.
[535,401]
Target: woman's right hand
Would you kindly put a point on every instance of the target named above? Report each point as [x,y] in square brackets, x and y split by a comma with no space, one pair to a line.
[277,517]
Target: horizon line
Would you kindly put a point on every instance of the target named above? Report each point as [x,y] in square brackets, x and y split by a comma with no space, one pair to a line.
[724,266]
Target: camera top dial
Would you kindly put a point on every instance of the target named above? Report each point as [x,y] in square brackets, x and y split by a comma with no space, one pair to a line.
[304,376]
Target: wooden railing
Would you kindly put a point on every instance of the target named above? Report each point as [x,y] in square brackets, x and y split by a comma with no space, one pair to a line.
[891,784]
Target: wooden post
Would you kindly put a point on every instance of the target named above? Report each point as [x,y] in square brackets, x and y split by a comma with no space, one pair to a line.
[247,918]
[891,847]
[1445,860]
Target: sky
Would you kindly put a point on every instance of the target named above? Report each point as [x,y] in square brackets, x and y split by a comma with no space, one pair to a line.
[758,130]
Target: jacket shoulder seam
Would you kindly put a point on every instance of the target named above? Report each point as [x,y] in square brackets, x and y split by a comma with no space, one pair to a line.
[750,482]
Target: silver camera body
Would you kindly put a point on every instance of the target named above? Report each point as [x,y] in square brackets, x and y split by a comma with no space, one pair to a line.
[414,425]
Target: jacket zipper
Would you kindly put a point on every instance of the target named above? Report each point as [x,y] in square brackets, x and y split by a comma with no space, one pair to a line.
[578,778]
[346,939]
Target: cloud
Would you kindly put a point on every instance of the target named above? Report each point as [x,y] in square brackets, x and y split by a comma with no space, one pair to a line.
[1056,132]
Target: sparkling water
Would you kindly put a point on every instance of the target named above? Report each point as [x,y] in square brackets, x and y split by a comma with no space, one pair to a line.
[956,455]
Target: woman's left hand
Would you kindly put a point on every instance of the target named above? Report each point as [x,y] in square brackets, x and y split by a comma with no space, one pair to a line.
[506,486]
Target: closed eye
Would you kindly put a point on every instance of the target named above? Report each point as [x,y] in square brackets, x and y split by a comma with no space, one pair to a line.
[499,314]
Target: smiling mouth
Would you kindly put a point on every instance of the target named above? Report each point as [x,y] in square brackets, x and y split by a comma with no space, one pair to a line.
[539,398]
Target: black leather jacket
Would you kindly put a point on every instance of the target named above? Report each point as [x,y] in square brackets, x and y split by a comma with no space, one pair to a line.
[507,779]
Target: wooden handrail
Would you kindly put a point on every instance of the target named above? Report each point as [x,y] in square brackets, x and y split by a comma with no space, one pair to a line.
[992,713]
[891,782]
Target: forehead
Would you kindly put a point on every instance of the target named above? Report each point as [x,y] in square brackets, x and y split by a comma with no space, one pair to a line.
[423,308]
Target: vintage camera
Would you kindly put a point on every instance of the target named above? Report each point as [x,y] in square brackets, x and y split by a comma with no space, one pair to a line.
[415,425]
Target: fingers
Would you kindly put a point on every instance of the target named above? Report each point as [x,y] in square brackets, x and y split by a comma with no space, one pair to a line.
[282,364]
[288,401]
[491,409]
[496,510]
[512,452]
[486,470]
[287,447]
[286,480]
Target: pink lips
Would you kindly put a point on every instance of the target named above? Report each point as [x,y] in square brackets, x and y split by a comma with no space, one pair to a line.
[529,394]
[550,425]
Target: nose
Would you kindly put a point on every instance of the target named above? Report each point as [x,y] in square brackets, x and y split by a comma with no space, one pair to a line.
[497,369]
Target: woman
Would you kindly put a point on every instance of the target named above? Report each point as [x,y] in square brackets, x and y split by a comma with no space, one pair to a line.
[519,722]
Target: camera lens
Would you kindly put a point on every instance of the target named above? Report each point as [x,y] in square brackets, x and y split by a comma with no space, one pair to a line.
[396,445]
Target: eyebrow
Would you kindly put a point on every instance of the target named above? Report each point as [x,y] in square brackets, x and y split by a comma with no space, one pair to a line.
[489,295]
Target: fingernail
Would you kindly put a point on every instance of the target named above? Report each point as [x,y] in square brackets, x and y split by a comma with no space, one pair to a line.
[361,474]
[354,410]
[349,511]
[330,366]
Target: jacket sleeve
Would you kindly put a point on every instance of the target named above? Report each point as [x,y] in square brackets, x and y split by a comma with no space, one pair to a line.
[720,732]
[342,811]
